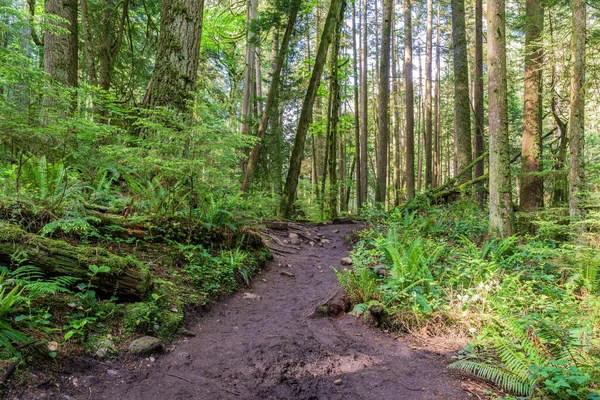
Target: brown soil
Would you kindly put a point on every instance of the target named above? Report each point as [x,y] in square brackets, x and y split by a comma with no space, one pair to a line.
[273,346]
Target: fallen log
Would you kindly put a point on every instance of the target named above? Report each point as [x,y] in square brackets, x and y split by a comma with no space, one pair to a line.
[128,278]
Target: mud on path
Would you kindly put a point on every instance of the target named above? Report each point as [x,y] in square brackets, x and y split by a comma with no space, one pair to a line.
[266,343]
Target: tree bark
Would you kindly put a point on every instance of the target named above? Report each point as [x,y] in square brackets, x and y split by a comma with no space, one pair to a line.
[501,217]
[410,112]
[176,67]
[271,95]
[531,152]
[249,75]
[576,115]
[462,106]
[110,43]
[61,50]
[127,278]
[291,184]
[333,119]
[384,104]
[478,99]
[428,106]
[437,145]
[357,158]
[364,113]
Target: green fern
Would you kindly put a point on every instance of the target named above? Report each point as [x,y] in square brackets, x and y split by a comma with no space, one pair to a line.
[520,348]
[359,284]
[503,377]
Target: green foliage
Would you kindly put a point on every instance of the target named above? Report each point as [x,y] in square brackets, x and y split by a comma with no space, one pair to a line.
[534,355]
[528,303]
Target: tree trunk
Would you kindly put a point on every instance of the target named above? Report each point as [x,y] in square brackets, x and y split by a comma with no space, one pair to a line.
[272,94]
[61,50]
[462,106]
[176,66]
[531,152]
[359,198]
[127,278]
[478,99]
[364,113]
[501,218]
[110,43]
[428,107]
[437,146]
[249,75]
[397,121]
[291,184]
[410,112]
[333,119]
[384,104]
[576,115]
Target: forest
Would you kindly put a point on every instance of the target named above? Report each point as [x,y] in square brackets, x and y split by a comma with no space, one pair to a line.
[157,156]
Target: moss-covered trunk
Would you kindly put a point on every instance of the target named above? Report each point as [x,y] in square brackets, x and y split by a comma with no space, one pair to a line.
[127,279]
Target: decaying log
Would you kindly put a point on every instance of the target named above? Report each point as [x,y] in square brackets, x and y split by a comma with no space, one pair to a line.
[127,279]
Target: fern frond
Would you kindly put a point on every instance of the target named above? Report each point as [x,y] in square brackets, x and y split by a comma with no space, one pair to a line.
[502,377]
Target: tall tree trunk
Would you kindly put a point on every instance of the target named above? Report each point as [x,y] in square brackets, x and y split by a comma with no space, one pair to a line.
[110,42]
[176,66]
[531,152]
[478,98]
[384,104]
[333,119]
[462,106]
[419,118]
[437,147]
[560,185]
[249,74]
[88,42]
[428,107]
[364,113]
[501,223]
[359,198]
[291,184]
[576,115]
[410,111]
[397,121]
[61,50]
[271,95]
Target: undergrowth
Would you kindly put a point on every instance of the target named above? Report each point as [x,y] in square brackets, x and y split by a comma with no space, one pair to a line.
[530,304]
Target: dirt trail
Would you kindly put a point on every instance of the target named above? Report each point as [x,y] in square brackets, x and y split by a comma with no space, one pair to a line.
[271,348]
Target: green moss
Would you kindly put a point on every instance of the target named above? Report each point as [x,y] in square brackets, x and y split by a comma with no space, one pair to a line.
[169,323]
[11,233]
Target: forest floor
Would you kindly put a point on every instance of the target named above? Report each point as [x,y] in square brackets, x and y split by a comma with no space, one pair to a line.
[268,342]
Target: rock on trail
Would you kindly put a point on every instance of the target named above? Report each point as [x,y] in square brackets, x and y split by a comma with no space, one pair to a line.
[271,343]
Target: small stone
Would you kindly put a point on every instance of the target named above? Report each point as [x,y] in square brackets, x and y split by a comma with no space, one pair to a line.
[152,359]
[319,267]
[264,280]
[346,261]
[287,273]
[336,231]
[337,382]
[187,333]
[325,241]
[294,239]
[383,272]
[312,244]
[112,372]
[144,345]
[251,296]
[105,348]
